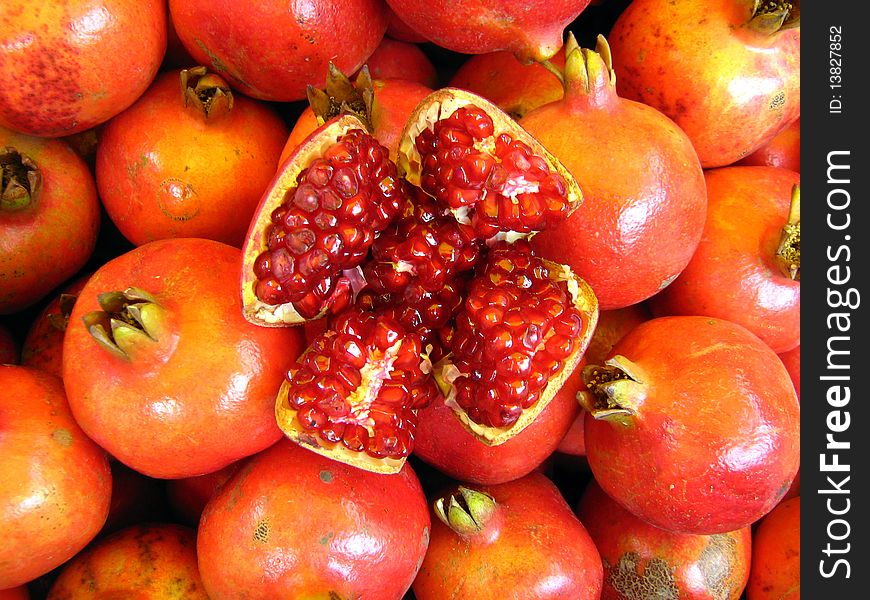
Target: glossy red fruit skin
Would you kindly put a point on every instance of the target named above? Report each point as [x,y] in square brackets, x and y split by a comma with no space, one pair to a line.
[733,274]
[401,31]
[776,554]
[532,30]
[792,361]
[49,240]
[144,561]
[154,411]
[716,442]
[644,204]
[534,547]
[442,441]
[55,482]
[67,67]
[393,59]
[270,52]
[783,151]
[294,524]
[731,89]
[164,169]
[642,561]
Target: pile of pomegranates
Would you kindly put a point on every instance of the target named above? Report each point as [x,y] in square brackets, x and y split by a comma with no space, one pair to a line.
[384,300]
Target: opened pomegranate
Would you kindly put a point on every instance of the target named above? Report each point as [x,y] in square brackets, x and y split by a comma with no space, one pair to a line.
[66,67]
[644,205]
[726,71]
[316,223]
[513,540]
[273,50]
[521,332]
[692,425]
[476,161]
[643,562]
[352,395]
[747,265]
[532,31]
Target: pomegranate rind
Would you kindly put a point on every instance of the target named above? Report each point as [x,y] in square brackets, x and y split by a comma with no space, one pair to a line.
[446,372]
[442,103]
[289,423]
[255,310]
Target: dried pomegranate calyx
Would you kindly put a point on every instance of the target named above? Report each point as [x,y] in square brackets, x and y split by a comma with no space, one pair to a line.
[614,391]
[206,92]
[589,72]
[466,511]
[128,319]
[772,16]
[343,96]
[20,179]
[788,253]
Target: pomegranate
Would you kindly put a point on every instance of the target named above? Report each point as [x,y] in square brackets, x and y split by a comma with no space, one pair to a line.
[727,71]
[294,524]
[442,441]
[188,496]
[532,31]
[393,59]
[776,555]
[353,394]
[188,160]
[55,482]
[43,345]
[514,87]
[272,51]
[514,540]
[477,162]
[146,561]
[783,151]
[643,212]
[383,104]
[521,332]
[642,561]
[693,425]
[399,30]
[67,67]
[49,215]
[747,266]
[19,592]
[792,361]
[145,324]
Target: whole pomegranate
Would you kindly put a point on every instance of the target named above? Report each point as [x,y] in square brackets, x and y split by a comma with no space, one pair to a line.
[188,159]
[400,60]
[792,361]
[776,555]
[642,561]
[154,561]
[68,66]
[727,71]
[692,425]
[55,482]
[271,50]
[161,368]
[531,30]
[644,203]
[512,541]
[49,215]
[294,524]
[747,266]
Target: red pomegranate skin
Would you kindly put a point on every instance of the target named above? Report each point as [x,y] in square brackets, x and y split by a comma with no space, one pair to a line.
[733,274]
[399,30]
[783,151]
[715,443]
[644,203]
[642,561]
[792,361]
[730,88]
[68,66]
[393,59]
[155,410]
[442,442]
[776,555]
[294,524]
[189,495]
[19,592]
[164,169]
[55,483]
[272,51]
[47,241]
[533,547]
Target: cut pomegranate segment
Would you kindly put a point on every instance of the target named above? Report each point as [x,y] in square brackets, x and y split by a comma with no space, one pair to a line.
[315,224]
[476,161]
[522,331]
[353,394]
